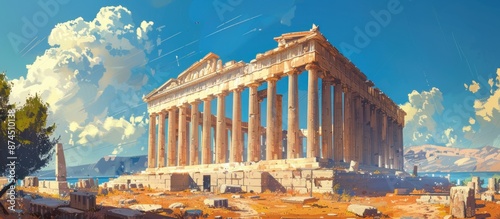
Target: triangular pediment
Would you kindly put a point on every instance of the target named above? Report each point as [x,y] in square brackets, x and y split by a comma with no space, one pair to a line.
[205,66]
[171,83]
[294,36]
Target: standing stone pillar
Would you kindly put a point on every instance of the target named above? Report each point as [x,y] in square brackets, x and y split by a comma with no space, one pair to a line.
[271,120]
[462,202]
[312,111]
[161,139]
[385,157]
[182,141]
[236,132]
[253,124]
[375,125]
[390,138]
[348,126]
[172,132]
[279,128]
[338,121]
[367,149]
[401,149]
[152,142]
[206,152]
[221,133]
[60,171]
[326,119]
[293,139]
[358,130]
[194,132]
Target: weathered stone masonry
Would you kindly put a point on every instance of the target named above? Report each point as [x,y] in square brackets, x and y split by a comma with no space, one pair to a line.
[360,124]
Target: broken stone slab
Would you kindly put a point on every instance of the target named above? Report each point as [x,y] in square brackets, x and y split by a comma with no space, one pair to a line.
[157,194]
[462,202]
[123,213]
[230,188]
[127,201]
[254,197]
[488,196]
[236,196]
[362,210]
[177,205]
[216,202]
[146,207]
[298,199]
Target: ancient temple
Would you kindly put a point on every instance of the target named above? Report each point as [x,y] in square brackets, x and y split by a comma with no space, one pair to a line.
[354,122]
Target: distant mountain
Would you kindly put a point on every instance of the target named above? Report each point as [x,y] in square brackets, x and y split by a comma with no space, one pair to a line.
[106,166]
[431,158]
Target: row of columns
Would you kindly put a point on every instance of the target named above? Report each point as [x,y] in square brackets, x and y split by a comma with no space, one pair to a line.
[351,128]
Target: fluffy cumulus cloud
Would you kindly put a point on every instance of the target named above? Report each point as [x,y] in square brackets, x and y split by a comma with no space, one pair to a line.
[487,113]
[423,111]
[472,123]
[93,76]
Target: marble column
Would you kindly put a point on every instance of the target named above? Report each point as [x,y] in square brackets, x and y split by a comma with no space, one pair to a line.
[348,126]
[206,150]
[326,119]
[374,135]
[236,132]
[161,139]
[390,142]
[221,133]
[271,120]
[358,130]
[172,133]
[385,157]
[338,121]
[182,141]
[367,149]
[279,122]
[253,124]
[293,132]
[312,111]
[194,132]
[152,142]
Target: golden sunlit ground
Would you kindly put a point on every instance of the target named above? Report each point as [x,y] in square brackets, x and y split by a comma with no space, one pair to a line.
[269,205]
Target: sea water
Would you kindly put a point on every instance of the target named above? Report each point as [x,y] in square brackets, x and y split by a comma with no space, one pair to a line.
[459,177]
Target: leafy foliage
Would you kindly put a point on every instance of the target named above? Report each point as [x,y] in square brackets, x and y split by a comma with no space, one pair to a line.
[32,136]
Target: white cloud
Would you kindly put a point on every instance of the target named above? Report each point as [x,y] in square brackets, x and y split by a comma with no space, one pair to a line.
[486,109]
[422,127]
[93,77]
[474,87]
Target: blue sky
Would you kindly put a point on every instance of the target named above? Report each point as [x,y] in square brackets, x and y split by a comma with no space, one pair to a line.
[438,60]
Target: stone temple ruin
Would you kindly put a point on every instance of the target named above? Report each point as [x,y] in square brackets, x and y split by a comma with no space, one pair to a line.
[355,121]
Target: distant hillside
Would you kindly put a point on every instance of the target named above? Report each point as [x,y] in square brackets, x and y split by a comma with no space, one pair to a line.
[106,166]
[431,158]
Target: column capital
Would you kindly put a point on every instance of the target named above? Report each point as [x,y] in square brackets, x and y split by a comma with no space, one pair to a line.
[272,78]
[172,108]
[239,89]
[208,98]
[153,114]
[312,66]
[253,84]
[182,105]
[222,93]
[195,102]
[345,88]
[292,71]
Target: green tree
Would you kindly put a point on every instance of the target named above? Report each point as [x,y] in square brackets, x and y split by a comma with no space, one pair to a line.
[32,137]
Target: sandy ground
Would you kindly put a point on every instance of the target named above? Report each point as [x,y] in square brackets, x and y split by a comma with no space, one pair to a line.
[269,205]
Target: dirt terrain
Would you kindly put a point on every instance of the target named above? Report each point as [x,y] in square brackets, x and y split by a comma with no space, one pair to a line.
[269,205]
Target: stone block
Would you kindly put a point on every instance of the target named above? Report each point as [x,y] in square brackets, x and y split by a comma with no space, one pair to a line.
[216,202]
[492,184]
[230,188]
[362,210]
[488,196]
[462,202]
